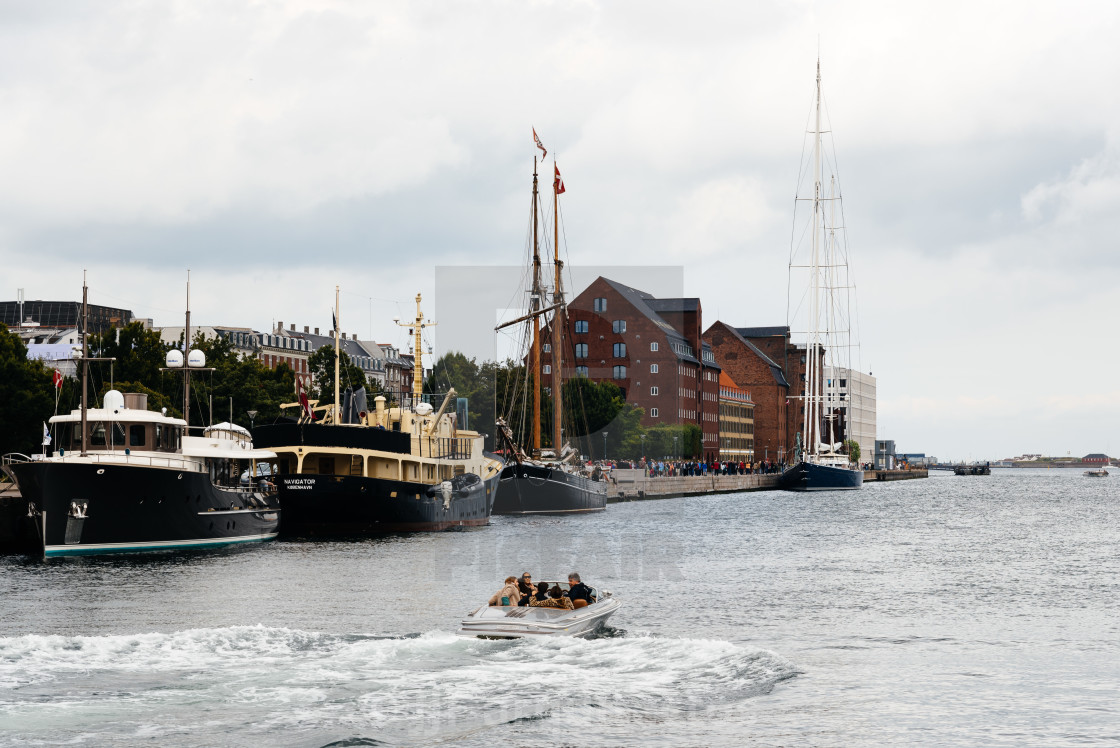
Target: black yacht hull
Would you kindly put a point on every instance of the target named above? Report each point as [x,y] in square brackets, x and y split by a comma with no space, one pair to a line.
[354,506]
[538,489]
[84,508]
[808,476]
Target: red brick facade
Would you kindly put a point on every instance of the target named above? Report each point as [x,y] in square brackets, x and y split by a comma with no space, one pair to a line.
[665,368]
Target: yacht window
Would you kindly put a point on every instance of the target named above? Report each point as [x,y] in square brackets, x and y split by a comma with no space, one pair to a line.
[97,435]
[136,435]
[118,434]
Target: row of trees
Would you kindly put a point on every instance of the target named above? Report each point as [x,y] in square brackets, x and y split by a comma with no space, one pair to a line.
[597,418]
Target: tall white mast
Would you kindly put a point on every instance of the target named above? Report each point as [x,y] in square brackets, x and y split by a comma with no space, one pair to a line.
[812,349]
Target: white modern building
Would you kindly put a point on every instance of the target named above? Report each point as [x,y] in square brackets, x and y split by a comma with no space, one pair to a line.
[856,391]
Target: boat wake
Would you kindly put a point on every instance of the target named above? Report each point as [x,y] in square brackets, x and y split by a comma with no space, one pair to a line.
[284,686]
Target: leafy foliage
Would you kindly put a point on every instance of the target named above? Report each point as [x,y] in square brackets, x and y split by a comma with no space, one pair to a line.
[851,446]
[321,365]
[26,396]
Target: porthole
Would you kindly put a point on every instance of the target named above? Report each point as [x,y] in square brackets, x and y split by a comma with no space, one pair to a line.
[101,471]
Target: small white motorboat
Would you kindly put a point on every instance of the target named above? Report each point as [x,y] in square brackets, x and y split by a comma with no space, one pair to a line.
[1100,473]
[515,622]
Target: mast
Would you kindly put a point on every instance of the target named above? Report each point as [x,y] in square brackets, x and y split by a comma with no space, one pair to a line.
[186,363]
[85,365]
[336,356]
[557,317]
[416,328]
[534,307]
[812,362]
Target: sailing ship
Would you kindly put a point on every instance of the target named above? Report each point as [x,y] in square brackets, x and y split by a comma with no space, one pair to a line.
[127,479]
[546,482]
[820,463]
[399,468]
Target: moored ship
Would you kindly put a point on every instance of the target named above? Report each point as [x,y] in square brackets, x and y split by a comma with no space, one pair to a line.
[126,479]
[541,482]
[820,462]
[396,469]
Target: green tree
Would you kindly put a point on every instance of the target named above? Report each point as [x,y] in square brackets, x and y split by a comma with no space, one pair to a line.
[851,446]
[26,396]
[321,365]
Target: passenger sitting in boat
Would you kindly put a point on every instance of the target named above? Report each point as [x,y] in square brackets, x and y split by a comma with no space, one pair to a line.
[508,595]
[555,599]
[578,590]
[525,587]
[542,592]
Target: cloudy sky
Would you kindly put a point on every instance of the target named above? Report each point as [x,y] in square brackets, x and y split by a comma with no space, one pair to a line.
[278,149]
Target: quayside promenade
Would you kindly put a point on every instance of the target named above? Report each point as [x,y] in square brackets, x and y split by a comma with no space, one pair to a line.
[635,485]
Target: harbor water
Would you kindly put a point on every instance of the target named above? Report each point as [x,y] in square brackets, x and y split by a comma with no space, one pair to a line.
[949,611]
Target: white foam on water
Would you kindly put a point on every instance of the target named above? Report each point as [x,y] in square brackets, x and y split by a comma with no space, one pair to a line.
[257,681]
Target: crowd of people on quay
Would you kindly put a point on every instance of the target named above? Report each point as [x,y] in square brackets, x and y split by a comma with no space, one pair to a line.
[671,468]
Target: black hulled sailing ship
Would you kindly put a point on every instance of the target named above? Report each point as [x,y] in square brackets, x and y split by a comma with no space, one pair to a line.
[546,482]
[398,469]
[820,462]
[123,478]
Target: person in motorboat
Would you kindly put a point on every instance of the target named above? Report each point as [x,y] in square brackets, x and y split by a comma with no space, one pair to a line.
[541,594]
[507,595]
[525,587]
[577,590]
[555,599]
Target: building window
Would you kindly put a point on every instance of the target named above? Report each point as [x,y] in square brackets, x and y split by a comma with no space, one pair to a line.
[581,371]
[653,368]
[600,305]
[619,325]
[653,412]
[620,372]
[548,368]
[581,350]
[620,350]
[653,347]
[581,325]
[546,348]
[653,390]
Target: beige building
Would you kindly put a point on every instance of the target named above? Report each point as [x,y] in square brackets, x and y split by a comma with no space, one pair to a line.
[855,392]
[736,421]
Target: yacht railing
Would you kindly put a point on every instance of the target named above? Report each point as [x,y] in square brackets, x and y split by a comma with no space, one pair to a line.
[117,458]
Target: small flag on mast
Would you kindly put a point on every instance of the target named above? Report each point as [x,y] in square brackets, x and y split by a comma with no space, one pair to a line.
[540,145]
[558,184]
[46,435]
[57,379]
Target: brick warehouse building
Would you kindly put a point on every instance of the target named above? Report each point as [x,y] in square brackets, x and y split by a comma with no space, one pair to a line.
[775,342]
[651,348]
[765,361]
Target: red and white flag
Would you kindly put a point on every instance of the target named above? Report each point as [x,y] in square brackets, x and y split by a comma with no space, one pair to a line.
[540,145]
[57,379]
[558,183]
[304,405]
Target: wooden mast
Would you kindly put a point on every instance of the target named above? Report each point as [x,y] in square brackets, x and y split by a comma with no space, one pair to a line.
[557,318]
[534,308]
[336,418]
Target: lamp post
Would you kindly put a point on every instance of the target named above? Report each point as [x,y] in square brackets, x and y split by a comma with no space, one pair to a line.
[643,446]
[604,445]
[675,455]
[252,417]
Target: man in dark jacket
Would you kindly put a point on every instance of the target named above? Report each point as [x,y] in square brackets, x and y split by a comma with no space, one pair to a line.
[577,590]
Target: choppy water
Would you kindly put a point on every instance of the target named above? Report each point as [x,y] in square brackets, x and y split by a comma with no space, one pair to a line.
[951,611]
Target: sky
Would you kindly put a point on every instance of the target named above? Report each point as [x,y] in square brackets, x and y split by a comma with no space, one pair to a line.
[280,149]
